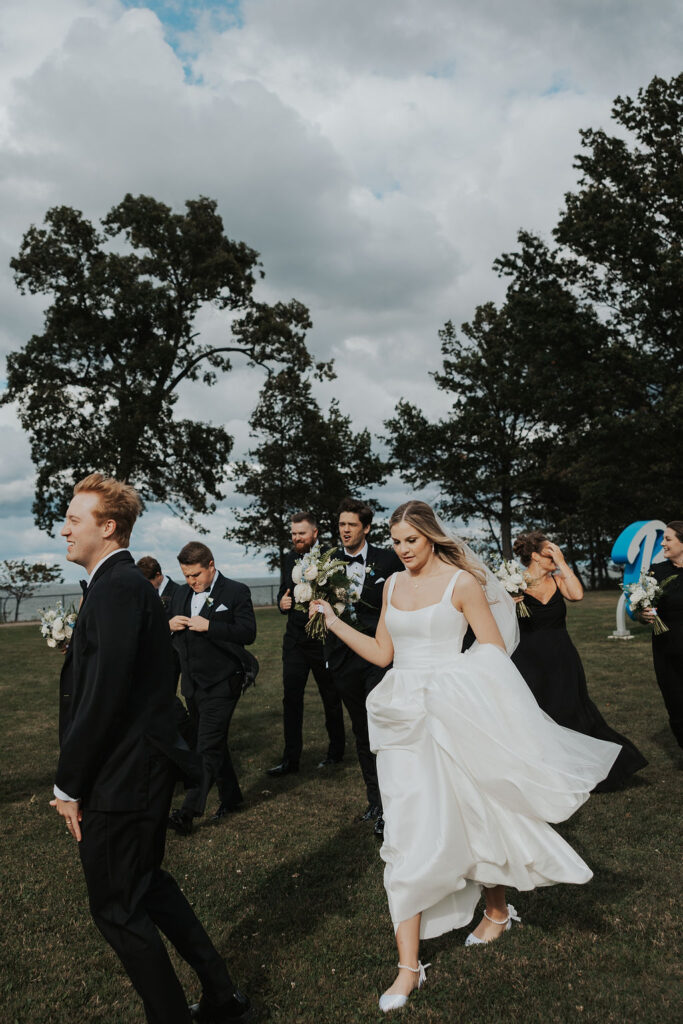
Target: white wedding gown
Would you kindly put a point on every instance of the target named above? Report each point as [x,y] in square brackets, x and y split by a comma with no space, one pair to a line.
[471,771]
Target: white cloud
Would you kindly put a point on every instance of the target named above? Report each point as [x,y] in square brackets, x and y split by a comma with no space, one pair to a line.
[379,156]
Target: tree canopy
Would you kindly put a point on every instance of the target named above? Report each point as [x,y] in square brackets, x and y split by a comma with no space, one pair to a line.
[97,389]
[519,375]
[624,223]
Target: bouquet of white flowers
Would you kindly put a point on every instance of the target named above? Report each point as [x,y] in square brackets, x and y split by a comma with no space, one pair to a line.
[644,595]
[318,574]
[515,579]
[57,625]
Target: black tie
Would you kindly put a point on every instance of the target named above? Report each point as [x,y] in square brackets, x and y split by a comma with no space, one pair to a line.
[355,558]
[84,586]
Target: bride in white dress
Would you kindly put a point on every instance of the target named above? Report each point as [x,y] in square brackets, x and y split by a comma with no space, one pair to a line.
[470,769]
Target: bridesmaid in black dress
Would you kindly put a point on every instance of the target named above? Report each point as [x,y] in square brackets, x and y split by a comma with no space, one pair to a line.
[667,648]
[548,660]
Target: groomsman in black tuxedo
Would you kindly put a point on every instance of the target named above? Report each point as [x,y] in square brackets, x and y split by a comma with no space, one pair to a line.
[120,756]
[164,585]
[368,569]
[300,656]
[211,618]
[166,588]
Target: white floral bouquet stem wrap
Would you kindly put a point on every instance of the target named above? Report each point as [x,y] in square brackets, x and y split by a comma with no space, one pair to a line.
[516,581]
[319,575]
[57,625]
[643,596]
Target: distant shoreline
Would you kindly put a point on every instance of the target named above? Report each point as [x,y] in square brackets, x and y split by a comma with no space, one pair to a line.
[263,594]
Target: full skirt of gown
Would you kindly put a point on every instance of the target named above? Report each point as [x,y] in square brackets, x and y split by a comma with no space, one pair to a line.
[471,772]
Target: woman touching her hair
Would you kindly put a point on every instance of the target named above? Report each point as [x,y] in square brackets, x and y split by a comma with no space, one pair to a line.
[548,660]
[470,770]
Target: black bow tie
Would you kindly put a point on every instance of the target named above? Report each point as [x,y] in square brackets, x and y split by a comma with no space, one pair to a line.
[354,558]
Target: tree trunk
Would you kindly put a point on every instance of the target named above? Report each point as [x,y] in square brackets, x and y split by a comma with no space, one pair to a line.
[506,523]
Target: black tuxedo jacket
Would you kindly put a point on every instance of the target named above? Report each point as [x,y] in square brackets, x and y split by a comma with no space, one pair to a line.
[117,689]
[381,563]
[205,658]
[169,590]
[295,630]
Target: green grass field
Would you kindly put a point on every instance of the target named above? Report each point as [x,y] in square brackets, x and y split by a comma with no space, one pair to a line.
[291,888]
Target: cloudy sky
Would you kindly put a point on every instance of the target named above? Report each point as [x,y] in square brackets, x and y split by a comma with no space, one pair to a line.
[379,154]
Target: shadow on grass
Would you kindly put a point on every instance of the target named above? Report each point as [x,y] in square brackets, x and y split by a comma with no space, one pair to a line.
[21,789]
[664,738]
[295,897]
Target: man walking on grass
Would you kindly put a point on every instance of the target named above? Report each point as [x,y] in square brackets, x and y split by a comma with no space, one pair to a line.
[119,758]
[301,655]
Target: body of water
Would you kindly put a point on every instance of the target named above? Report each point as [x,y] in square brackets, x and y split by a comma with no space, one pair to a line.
[263,592]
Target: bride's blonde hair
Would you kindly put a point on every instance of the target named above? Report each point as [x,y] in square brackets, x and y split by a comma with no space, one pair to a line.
[421,515]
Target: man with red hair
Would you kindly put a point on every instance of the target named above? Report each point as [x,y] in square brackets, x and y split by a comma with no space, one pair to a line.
[119,758]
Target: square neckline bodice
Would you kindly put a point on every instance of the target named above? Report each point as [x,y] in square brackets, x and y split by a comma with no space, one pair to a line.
[445,597]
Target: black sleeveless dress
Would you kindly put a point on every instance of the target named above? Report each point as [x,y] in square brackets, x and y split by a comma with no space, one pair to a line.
[552,669]
[667,648]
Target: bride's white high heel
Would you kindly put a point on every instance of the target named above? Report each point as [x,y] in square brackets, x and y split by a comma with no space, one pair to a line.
[395,1000]
[472,939]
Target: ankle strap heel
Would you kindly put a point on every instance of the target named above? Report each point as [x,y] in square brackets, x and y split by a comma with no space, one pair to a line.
[419,970]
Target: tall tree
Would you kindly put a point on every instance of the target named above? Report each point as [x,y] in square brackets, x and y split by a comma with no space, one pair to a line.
[624,224]
[96,389]
[304,459]
[19,579]
[518,376]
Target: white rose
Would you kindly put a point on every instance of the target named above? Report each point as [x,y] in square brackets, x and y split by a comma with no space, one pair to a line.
[51,642]
[296,573]
[339,608]
[58,624]
[303,592]
[311,572]
[59,634]
[68,631]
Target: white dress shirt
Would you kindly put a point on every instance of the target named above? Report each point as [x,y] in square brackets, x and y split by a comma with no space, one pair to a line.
[199,600]
[356,570]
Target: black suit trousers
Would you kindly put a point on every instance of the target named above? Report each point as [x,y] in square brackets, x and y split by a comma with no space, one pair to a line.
[211,711]
[298,659]
[132,898]
[354,680]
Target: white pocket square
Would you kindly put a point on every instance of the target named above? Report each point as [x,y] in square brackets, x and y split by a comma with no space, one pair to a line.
[380,580]
[222,608]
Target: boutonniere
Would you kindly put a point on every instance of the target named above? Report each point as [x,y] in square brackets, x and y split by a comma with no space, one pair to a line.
[209,603]
[370,571]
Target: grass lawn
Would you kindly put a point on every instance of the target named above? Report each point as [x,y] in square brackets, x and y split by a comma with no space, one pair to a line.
[291,888]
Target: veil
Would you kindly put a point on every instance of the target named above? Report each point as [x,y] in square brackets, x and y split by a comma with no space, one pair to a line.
[501,604]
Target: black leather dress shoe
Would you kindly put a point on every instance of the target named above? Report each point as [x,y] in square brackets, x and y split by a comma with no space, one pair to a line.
[238,1007]
[379,827]
[286,767]
[181,822]
[329,762]
[371,814]
[223,811]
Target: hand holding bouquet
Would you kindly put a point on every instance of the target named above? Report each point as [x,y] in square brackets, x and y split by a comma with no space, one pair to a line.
[515,579]
[57,626]
[318,574]
[643,596]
